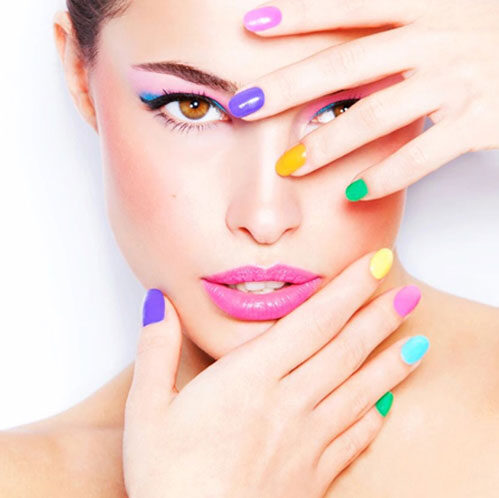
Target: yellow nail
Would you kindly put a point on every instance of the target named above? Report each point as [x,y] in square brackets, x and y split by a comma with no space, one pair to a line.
[381,263]
[291,160]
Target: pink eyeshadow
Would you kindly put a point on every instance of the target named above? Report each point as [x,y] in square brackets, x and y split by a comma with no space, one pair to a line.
[154,83]
[356,92]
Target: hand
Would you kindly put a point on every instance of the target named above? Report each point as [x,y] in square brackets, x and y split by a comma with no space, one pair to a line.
[282,414]
[445,54]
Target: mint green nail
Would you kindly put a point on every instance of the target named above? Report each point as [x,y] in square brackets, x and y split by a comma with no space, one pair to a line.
[385,403]
[414,348]
[356,190]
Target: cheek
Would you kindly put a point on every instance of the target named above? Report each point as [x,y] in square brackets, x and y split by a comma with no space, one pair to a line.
[144,191]
[352,229]
[156,186]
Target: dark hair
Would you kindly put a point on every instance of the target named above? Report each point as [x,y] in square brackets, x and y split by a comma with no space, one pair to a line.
[88,17]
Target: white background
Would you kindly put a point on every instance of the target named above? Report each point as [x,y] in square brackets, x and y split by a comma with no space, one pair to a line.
[70,305]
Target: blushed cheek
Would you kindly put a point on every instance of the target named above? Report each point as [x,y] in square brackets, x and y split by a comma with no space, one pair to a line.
[359,227]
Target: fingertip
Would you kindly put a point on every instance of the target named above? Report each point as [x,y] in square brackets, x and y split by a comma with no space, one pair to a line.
[153,309]
[246,102]
[381,263]
[384,404]
[262,18]
[357,190]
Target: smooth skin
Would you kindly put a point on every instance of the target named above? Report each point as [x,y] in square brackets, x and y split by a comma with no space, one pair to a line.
[253,424]
[444,415]
[448,53]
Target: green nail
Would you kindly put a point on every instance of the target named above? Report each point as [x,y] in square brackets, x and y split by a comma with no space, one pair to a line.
[356,190]
[385,403]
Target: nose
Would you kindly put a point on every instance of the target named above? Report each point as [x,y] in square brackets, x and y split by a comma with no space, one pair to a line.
[262,205]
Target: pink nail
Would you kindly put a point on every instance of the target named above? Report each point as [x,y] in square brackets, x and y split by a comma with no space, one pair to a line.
[406,299]
[262,18]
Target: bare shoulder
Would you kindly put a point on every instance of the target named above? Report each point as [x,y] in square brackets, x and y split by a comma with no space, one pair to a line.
[74,453]
[466,345]
[448,411]
[60,462]
[28,461]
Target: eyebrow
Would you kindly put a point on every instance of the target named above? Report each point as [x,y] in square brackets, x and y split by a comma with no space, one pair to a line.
[190,73]
[193,74]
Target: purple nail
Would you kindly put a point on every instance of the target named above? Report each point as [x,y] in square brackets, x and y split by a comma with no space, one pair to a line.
[154,307]
[406,299]
[246,102]
[263,18]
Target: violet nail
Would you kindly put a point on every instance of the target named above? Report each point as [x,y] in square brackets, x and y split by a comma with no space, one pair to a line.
[262,18]
[246,102]
[406,299]
[154,307]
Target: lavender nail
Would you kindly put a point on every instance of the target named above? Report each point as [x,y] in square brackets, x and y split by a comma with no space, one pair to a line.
[262,18]
[154,307]
[246,102]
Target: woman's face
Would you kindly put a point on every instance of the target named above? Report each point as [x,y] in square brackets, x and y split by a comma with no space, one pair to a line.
[185,203]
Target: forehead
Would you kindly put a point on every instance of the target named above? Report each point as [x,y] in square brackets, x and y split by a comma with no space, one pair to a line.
[210,35]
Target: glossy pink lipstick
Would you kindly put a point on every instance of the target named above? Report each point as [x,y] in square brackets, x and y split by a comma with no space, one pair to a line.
[253,306]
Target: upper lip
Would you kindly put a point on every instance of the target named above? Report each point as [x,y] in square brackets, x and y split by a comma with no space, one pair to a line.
[250,273]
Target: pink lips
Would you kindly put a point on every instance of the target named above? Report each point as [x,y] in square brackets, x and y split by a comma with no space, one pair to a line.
[270,306]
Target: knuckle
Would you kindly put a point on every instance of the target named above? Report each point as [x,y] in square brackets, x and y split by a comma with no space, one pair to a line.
[353,6]
[285,85]
[320,147]
[384,314]
[371,112]
[359,402]
[301,10]
[352,351]
[320,325]
[414,156]
[343,59]
[351,444]
[371,424]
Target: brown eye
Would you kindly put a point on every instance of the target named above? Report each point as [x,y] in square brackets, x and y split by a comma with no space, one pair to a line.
[194,108]
[332,111]
[190,109]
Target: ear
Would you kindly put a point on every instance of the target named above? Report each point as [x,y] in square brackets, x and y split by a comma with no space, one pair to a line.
[75,69]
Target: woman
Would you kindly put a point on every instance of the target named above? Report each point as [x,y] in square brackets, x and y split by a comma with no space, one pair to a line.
[167,200]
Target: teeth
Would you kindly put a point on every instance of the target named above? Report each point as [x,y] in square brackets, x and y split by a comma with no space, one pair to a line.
[258,287]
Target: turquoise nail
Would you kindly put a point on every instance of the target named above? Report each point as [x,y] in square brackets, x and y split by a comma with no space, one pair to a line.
[414,348]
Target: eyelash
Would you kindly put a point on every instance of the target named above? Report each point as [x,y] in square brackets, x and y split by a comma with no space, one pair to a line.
[168,97]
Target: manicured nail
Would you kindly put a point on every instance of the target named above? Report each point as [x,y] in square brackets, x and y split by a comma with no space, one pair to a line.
[381,263]
[385,403]
[406,299]
[291,160]
[262,18]
[246,102]
[154,307]
[414,348]
[356,190]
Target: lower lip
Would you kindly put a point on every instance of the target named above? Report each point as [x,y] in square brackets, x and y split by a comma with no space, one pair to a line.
[251,306]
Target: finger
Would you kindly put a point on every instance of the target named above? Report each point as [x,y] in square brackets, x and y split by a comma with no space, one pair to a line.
[348,446]
[301,16]
[435,147]
[342,356]
[347,65]
[298,335]
[158,353]
[355,396]
[370,118]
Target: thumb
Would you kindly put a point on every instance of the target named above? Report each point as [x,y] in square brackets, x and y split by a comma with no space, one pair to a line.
[158,351]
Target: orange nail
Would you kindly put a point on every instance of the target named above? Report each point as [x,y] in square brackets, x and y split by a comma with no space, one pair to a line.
[291,160]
